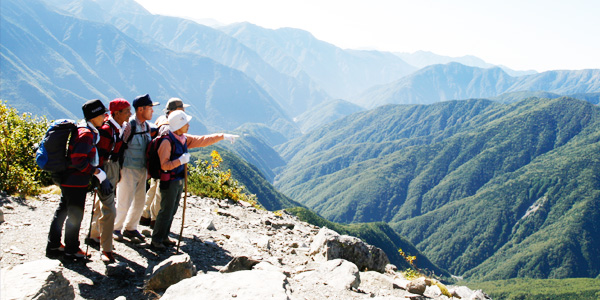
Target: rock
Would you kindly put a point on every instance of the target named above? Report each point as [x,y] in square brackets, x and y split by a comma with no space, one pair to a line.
[329,245]
[251,284]
[208,224]
[462,292]
[372,281]
[1,216]
[417,286]
[391,269]
[433,291]
[479,295]
[239,263]
[338,273]
[401,283]
[170,271]
[118,269]
[225,213]
[41,279]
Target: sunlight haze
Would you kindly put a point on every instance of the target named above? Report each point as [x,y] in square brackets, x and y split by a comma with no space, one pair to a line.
[522,35]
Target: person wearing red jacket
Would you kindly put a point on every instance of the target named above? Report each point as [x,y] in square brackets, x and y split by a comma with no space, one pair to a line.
[74,183]
[109,151]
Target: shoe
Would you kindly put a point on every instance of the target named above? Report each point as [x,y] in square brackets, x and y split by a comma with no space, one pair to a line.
[152,224]
[55,252]
[158,246]
[170,242]
[107,257]
[93,242]
[145,221]
[117,235]
[134,234]
[79,255]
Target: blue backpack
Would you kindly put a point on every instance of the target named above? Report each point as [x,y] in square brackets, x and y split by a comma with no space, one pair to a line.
[51,155]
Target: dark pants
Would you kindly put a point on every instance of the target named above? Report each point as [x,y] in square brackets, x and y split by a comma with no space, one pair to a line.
[168,207]
[70,209]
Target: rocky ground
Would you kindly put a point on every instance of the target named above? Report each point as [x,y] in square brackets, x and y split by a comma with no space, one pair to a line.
[215,232]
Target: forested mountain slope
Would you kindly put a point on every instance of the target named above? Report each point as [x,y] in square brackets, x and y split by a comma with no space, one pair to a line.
[458,178]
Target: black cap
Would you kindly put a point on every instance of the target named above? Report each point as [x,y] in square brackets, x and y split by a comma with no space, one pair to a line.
[143,100]
[93,108]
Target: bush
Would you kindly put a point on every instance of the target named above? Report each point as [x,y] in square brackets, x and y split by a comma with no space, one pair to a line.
[18,137]
[208,180]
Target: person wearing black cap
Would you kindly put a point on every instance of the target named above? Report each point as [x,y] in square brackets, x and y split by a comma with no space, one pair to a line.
[131,190]
[74,183]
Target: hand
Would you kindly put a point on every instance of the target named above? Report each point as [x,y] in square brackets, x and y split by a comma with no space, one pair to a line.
[230,137]
[106,187]
[100,175]
[184,158]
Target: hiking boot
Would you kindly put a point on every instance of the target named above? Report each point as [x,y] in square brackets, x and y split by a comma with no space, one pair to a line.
[55,252]
[93,242]
[145,221]
[117,235]
[79,255]
[107,257]
[134,234]
[158,246]
[169,242]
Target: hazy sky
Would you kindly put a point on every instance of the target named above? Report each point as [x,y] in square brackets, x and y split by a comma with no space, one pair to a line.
[520,34]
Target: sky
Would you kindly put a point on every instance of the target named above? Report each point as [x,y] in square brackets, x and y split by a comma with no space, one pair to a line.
[538,35]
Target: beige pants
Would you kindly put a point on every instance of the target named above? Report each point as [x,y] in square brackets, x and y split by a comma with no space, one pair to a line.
[104,211]
[152,205]
[131,195]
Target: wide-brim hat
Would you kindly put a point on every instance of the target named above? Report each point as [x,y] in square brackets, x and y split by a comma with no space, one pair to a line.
[174,104]
[178,119]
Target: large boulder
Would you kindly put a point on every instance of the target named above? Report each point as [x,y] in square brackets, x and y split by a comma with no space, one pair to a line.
[40,279]
[338,274]
[170,271]
[329,245]
[249,284]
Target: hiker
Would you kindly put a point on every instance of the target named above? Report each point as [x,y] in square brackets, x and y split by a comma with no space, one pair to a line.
[152,205]
[131,190]
[109,152]
[74,183]
[173,156]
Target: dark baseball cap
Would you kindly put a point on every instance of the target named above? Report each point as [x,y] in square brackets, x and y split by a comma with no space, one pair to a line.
[143,100]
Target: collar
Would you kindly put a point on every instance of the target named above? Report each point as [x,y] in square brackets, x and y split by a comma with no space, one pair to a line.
[93,128]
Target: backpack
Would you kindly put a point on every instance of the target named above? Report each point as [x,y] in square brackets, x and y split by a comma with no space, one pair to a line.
[51,155]
[152,159]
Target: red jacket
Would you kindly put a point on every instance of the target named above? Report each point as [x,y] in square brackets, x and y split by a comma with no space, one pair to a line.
[82,152]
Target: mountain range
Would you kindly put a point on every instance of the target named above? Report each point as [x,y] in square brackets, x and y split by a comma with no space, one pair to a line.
[488,188]
[454,81]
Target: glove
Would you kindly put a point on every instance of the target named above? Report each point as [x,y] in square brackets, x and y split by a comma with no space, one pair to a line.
[106,187]
[101,176]
[184,158]
[230,137]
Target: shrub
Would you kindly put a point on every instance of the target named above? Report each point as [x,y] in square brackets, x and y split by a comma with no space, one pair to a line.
[18,137]
[208,180]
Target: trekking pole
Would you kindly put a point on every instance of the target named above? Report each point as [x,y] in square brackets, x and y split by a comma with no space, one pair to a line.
[87,246]
[184,205]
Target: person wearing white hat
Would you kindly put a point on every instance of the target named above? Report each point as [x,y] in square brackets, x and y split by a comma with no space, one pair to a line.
[173,156]
[152,205]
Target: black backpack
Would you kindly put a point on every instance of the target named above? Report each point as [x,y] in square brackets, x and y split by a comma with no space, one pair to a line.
[52,155]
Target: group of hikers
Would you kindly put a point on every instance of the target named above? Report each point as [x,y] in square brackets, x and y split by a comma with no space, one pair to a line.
[110,150]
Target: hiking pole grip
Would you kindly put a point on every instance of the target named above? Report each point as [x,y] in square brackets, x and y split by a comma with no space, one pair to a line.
[185,178]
